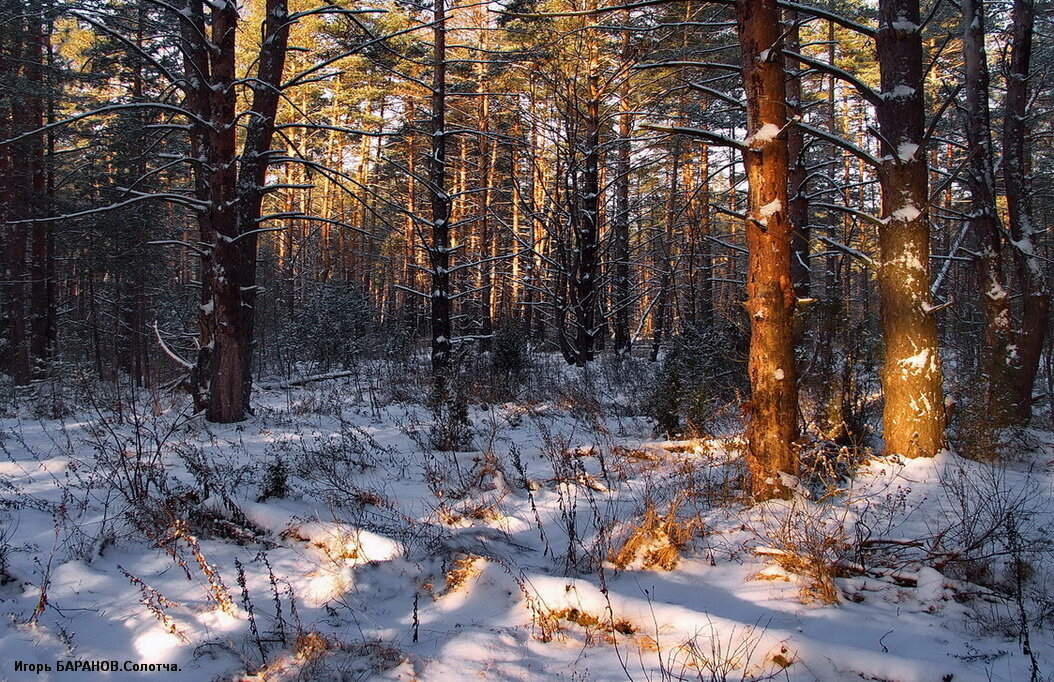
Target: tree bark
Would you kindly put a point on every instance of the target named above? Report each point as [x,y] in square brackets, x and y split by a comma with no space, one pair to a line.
[232,186]
[252,173]
[439,252]
[586,224]
[913,418]
[998,361]
[620,219]
[41,305]
[662,245]
[798,213]
[773,413]
[1028,270]
[17,199]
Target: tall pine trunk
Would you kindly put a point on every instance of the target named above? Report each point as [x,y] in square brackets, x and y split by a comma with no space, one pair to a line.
[16,193]
[773,427]
[252,173]
[1028,270]
[798,174]
[913,418]
[232,186]
[997,355]
[439,251]
[584,292]
[620,219]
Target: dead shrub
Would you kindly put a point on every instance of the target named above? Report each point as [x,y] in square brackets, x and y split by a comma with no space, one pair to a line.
[598,629]
[658,541]
[464,568]
[308,649]
[809,540]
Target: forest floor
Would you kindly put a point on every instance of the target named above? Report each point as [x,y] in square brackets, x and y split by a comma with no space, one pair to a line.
[326,539]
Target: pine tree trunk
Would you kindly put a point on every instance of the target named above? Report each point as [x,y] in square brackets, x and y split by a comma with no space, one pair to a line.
[997,356]
[232,186]
[1028,270]
[798,212]
[228,356]
[41,317]
[773,427]
[17,204]
[252,173]
[196,66]
[663,261]
[620,220]
[913,418]
[583,298]
[705,304]
[439,251]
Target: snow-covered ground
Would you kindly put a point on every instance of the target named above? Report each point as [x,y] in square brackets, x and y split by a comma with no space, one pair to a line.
[566,544]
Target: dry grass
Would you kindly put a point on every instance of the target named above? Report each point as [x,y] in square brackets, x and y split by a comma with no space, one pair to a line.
[463,569]
[810,541]
[726,655]
[597,629]
[307,650]
[658,541]
[369,498]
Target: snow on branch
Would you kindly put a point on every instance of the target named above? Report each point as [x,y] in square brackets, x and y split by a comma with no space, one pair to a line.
[173,198]
[712,138]
[867,92]
[680,63]
[832,17]
[169,352]
[851,211]
[717,93]
[840,142]
[855,253]
[101,111]
[582,12]
[132,46]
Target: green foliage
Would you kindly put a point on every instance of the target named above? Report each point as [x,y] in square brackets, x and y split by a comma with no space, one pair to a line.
[331,327]
[701,370]
[448,403]
[275,481]
[509,352]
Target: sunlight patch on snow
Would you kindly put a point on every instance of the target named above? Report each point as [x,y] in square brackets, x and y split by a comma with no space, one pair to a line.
[219,619]
[326,584]
[157,645]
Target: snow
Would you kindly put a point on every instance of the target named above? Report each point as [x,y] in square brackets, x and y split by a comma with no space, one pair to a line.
[996,291]
[763,135]
[770,209]
[916,362]
[899,92]
[906,213]
[385,559]
[906,151]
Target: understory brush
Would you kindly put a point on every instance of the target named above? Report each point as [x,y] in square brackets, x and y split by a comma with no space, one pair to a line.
[701,374]
[505,501]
